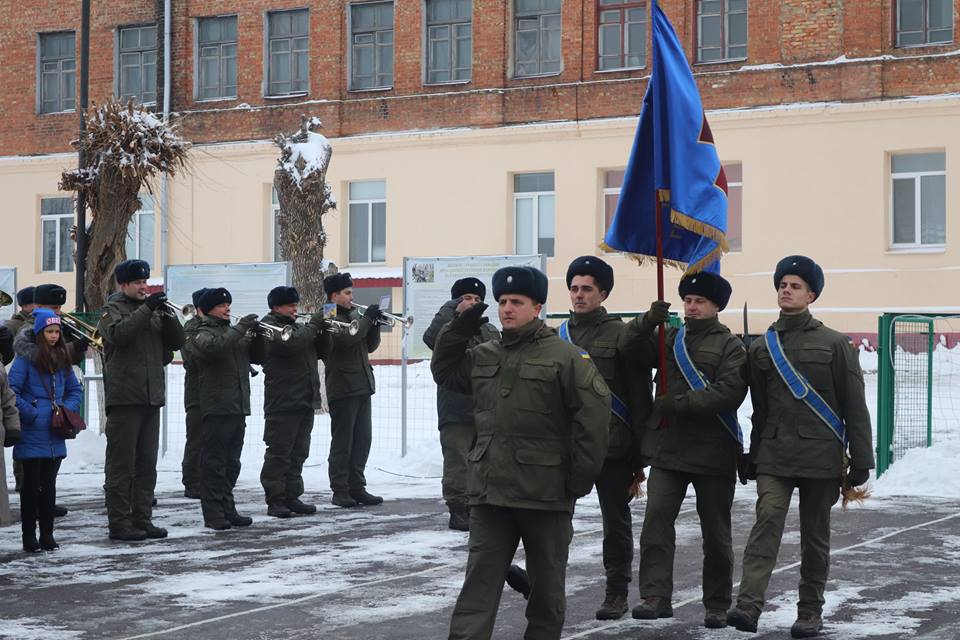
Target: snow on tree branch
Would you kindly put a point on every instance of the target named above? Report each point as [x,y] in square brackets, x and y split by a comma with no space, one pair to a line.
[305,155]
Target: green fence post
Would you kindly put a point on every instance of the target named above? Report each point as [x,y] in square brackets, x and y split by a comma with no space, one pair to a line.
[930,337]
[884,394]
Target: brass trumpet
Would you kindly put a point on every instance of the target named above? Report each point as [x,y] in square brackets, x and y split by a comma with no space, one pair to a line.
[270,330]
[337,326]
[386,319]
[5,299]
[187,310]
[81,329]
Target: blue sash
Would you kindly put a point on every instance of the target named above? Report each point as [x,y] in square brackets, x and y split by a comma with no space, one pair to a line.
[801,389]
[618,407]
[697,382]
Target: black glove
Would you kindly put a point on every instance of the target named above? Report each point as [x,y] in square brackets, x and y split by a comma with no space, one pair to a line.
[316,321]
[746,468]
[155,300]
[665,405]
[658,313]
[856,477]
[248,321]
[11,437]
[470,320]
[372,313]
[5,335]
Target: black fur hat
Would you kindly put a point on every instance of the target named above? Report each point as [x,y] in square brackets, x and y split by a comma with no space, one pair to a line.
[50,294]
[526,281]
[196,296]
[280,296]
[468,285]
[711,286]
[25,296]
[592,266]
[130,270]
[213,297]
[801,266]
[337,282]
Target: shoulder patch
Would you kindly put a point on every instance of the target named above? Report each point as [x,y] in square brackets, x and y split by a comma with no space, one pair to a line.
[600,387]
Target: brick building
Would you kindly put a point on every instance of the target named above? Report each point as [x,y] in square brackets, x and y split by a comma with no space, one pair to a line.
[514,117]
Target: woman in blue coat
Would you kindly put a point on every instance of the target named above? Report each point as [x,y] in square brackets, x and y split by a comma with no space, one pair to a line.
[40,372]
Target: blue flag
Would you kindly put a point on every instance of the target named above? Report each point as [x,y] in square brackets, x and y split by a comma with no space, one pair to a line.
[674,156]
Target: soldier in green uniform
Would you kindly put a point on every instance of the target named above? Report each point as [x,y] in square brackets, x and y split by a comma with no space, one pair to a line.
[291,396]
[190,467]
[542,413]
[591,328]
[223,355]
[10,328]
[138,336]
[692,438]
[350,384]
[455,410]
[809,414]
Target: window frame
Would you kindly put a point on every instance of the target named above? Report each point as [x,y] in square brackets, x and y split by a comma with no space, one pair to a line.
[918,245]
[516,17]
[137,222]
[605,192]
[267,93]
[369,202]
[622,7]
[724,31]
[55,219]
[535,196]
[274,236]
[60,72]
[730,185]
[197,57]
[427,49]
[118,65]
[926,27]
[376,59]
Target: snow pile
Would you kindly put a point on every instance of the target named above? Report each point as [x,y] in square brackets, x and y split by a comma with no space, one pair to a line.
[923,471]
[305,154]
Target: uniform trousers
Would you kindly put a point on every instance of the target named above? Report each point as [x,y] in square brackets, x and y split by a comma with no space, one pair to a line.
[133,438]
[351,433]
[287,436]
[613,486]
[456,439]
[220,462]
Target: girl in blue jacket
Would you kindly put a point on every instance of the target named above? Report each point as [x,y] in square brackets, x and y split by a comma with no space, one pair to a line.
[41,370]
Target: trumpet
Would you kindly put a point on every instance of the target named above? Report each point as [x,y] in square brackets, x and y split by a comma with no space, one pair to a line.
[337,326]
[187,310]
[82,329]
[5,299]
[272,331]
[386,319]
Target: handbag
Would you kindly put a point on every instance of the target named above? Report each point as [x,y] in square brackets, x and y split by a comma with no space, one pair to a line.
[64,423]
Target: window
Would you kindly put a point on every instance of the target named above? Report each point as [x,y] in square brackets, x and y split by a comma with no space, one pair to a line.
[734,173]
[56,219]
[274,220]
[533,211]
[287,52]
[622,35]
[612,183]
[721,30]
[922,22]
[449,40]
[140,231]
[918,200]
[137,64]
[537,37]
[217,58]
[368,221]
[371,45]
[57,71]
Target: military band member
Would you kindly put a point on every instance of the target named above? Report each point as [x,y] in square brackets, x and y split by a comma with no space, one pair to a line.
[350,384]
[542,417]
[603,337]
[291,398]
[190,468]
[222,352]
[138,335]
[454,409]
[692,438]
[808,413]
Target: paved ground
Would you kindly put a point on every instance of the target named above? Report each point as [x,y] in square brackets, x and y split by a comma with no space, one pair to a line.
[393,572]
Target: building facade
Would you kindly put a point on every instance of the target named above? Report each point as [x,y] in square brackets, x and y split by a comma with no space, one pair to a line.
[486,127]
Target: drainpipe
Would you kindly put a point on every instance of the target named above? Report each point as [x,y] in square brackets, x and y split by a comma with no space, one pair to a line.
[164,181]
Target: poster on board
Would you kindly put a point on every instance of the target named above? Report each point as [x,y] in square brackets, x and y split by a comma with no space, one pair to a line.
[427,283]
[8,284]
[248,283]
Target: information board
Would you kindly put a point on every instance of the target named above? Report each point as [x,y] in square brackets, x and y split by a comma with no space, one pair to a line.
[248,283]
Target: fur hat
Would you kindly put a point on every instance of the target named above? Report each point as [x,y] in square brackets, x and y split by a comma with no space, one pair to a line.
[592,266]
[25,296]
[130,270]
[337,282]
[526,281]
[213,297]
[196,296]
[468,285]
[50,294]
[280,296]
[711,286]
[801,266]
[43,318]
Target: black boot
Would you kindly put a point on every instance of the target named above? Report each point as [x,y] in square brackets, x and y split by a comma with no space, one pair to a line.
[361,496]
[47,542]
[59,511]
[653,607]
[297,506]
[237,520]
[744,617]
[343,499]
[279,511]
[153,532]
[613,607]
[30,544]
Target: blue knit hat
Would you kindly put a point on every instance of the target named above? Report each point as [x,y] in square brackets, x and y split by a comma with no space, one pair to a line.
[43,318]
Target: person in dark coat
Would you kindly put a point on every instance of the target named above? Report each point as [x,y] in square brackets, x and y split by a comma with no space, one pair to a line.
[190,467]
[41,377]
[10,328]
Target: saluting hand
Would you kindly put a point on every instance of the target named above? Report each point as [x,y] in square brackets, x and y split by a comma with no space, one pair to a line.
[470,319]
[155,300]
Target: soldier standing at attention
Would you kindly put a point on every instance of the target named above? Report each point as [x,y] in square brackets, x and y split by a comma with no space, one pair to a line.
[808,408]
[190,467]
[138,334]
[542,415]
[350,384]
[454,409]
[693,438]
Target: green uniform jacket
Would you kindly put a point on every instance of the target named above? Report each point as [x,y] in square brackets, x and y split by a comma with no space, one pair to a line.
[222,354]
[349,373]
[191,381]
[541,412]
[788,439]
[694,440]
[453,407]
[137,344]
[19,320]
[604,337]
[292,378]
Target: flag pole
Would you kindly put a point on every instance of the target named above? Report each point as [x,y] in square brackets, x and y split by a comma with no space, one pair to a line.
[662,338]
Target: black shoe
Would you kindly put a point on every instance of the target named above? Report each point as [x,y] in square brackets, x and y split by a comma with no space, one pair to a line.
[154,533]
[30,544]
[220,524]
[279,511]
[715,619]
[613,607]
[518,580]
[128,534]
[808,625]
[459,516]
[47,543]
[653,607]
[192,494]
[59,511]
[744,617]
[238,520]
[302,508]
[342,499]
[362,497]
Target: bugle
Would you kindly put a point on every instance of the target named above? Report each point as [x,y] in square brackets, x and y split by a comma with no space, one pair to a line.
[81,329]
[336,326]
[386,319]
[186,310]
